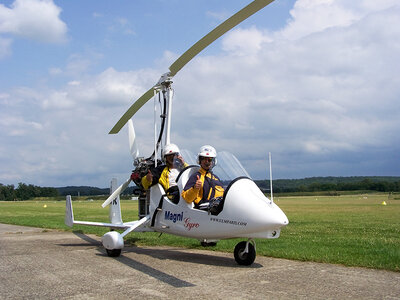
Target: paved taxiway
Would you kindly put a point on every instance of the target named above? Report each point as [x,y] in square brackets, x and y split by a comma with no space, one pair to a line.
[62,265]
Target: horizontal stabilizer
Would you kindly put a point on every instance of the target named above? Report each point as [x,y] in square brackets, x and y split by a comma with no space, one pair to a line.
[69,220]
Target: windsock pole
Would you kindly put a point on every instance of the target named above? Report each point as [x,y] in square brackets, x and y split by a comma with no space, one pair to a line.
[270,177]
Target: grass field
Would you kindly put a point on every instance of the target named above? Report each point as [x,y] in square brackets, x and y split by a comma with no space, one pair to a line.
[355,230]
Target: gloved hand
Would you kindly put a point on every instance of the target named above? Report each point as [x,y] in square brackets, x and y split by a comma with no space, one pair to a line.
[135,176]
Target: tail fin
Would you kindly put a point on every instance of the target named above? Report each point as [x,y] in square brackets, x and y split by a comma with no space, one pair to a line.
[69,214]
[115,216]
[115,207]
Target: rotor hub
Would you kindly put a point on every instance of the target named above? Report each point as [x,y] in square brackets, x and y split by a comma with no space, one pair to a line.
[165,80]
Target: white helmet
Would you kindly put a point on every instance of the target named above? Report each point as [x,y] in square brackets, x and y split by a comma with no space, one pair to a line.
[170,149]
[207,151]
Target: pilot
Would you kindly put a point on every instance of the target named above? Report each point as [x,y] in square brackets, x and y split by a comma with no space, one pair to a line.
[203,185]
[166,174]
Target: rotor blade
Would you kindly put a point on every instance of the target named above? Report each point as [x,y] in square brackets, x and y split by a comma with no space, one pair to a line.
[133,147]
[118,191]
[237,18]
[132,110]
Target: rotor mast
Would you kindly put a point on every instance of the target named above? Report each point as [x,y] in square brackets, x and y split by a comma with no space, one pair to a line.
[169,94]
[165,84]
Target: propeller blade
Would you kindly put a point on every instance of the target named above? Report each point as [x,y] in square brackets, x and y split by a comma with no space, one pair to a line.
[133,147]
[221,29]
[118,191]
[132,110]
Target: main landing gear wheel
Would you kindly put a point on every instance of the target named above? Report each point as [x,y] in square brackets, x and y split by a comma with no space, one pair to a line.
[113,252]
[208,244]
[243,258]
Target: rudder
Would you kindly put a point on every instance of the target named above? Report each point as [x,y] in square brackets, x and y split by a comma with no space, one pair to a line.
[115,207]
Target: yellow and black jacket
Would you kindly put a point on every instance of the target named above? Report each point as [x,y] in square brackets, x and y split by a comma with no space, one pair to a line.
[211,188]
[161,176]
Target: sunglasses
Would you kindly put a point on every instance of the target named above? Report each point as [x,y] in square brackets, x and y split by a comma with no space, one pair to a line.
[209,159]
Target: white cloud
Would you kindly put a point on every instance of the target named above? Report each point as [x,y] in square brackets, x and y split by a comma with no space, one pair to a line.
[5,47]
[314,16]
[310,89]
[33,19]
[310,16]
[63,132]
[245,42]
[320,94]
[55,71]
[219,16]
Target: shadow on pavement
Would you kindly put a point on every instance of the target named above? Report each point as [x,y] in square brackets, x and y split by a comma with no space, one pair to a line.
[178,254]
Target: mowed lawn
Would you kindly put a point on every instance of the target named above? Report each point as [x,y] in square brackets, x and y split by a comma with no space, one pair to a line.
[354,230]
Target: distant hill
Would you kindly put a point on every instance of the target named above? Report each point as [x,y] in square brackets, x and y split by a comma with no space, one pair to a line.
[82,191]
[89,191]
[311,184]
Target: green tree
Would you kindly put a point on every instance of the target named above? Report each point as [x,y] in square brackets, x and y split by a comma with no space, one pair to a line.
[7,192]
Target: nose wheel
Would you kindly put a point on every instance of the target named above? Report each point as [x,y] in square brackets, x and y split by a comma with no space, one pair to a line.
[113,252]
[245,253]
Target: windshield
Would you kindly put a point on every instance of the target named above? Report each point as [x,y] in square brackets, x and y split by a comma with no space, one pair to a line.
[228,166]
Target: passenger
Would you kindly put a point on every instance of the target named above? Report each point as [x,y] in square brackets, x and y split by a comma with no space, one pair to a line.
[203,185]
[167,173]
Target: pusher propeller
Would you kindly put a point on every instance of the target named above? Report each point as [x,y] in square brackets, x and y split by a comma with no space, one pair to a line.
[135,153]
[217,32]
[133,147]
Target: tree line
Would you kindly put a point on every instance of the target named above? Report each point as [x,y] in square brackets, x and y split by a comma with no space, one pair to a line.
[25,192]
[317,184]
[30,191]
[312,184]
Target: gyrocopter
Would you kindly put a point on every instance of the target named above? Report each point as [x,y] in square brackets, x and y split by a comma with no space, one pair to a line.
[245,212]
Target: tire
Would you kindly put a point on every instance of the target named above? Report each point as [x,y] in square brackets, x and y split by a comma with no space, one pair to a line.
[208,244]
[244,259]
[113,252]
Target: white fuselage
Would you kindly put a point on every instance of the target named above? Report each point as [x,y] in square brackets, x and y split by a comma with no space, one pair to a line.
[246,213]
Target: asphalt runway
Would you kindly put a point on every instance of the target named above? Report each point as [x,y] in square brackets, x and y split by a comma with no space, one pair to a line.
[49,264]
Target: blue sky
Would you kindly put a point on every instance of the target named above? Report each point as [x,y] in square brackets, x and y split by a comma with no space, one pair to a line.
[316,83]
